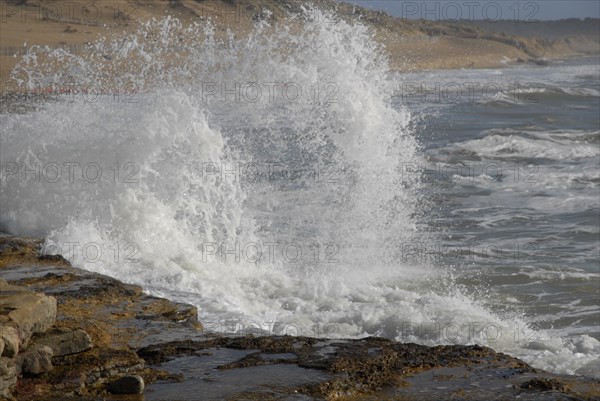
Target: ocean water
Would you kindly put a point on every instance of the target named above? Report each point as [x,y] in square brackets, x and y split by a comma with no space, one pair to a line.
[289,183]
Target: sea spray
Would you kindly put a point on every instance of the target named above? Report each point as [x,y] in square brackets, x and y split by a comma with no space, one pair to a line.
[258,178]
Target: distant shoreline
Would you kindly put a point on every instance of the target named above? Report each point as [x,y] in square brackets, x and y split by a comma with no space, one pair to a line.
[412,45]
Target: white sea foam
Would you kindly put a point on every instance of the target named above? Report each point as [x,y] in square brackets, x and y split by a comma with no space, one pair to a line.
[509,143]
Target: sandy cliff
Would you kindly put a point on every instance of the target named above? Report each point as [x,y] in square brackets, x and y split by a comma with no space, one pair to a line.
[411,44]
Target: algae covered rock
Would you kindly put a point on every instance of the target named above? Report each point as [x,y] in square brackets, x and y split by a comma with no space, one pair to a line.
[67,342]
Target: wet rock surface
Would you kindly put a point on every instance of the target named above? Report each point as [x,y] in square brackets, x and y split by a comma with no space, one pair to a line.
[87,340]
[363,369]
[110,338]
[127,385]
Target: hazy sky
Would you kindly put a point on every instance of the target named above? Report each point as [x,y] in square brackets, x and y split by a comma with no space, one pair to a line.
[484,9]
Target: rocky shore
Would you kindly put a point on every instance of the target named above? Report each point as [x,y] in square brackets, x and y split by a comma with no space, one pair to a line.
[66,333]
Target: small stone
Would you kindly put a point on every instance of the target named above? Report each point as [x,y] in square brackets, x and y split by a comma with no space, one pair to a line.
[70,342]
[11,340]
[127,385]
[8,377]
[543,384]
[35,361]
[7,366]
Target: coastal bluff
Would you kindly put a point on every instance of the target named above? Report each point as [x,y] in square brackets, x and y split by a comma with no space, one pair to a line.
[66,333]
[411,44]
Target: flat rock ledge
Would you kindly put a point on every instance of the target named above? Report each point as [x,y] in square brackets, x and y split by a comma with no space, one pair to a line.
[66,333]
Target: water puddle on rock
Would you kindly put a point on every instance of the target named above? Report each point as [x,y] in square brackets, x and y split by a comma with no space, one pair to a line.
[203,379]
